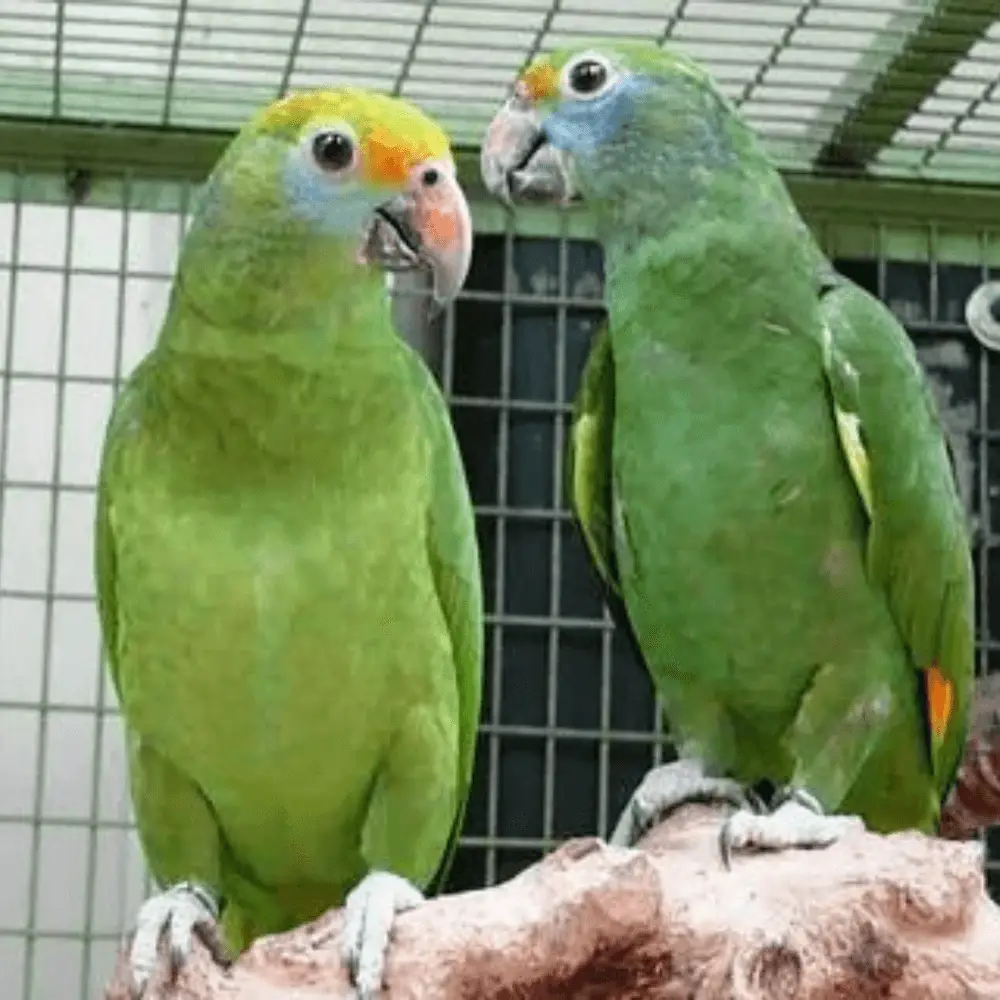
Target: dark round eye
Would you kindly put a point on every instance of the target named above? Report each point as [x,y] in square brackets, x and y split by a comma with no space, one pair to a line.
[588,76]
[333,150]
[431,177]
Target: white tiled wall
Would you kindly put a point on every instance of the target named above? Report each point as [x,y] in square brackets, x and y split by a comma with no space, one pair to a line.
[81,298]
[82,295]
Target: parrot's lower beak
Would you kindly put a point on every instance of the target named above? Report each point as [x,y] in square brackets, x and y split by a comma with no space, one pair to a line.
[428,226]
[519,163]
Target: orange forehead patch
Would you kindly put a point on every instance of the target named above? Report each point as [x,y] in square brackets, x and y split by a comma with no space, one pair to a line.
[540,81]
[389,157]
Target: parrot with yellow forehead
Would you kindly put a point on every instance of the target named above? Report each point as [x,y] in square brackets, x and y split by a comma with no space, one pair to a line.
[287,569]
[756,463]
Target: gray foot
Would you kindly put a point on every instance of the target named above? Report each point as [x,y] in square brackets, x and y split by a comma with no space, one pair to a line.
[798,821]
[184,911]
[664,789]
[368,917]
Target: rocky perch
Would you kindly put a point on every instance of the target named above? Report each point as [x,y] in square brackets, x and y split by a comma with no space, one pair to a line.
[904,916]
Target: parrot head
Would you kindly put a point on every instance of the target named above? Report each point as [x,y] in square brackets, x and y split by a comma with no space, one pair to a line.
[345,167]
[602,120]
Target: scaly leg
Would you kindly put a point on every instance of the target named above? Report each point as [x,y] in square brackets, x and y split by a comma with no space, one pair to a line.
[369,913]
[665,789]
[797,821]
[183,911]
[411,811]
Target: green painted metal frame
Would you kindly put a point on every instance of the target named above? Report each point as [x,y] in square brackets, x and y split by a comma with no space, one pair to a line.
[929,55]
[149,156]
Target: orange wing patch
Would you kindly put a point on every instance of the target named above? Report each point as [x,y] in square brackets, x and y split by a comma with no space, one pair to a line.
[940,700]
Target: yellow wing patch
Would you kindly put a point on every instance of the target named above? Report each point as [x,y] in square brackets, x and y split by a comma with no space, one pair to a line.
[585,432]
[849,431]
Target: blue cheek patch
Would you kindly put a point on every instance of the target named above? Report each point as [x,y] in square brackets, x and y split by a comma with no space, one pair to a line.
[334,209]
[579,127]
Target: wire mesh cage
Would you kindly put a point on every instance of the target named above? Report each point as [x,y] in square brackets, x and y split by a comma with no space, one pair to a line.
[898,86]
[111,113]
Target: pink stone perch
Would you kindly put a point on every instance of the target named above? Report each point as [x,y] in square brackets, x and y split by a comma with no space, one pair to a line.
[903,917]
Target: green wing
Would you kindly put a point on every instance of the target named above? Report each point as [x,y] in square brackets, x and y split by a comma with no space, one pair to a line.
[454,558]
[116,438]
[589,474]
[895,447]
[590,478]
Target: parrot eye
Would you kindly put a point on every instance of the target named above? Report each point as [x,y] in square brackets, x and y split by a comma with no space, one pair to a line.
[334,151]
[587,77]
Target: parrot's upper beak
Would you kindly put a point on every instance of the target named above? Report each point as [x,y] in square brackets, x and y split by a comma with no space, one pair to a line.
[517,160]
[427,226]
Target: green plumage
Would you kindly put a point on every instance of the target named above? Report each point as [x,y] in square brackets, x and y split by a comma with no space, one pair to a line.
[787,627]
[288,577]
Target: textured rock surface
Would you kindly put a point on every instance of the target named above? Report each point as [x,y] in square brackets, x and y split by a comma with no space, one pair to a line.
[904,916]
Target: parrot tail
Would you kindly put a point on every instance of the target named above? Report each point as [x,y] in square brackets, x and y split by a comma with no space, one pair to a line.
[974,800]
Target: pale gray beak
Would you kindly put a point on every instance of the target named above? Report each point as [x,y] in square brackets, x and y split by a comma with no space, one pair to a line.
[390,241]
[517,161]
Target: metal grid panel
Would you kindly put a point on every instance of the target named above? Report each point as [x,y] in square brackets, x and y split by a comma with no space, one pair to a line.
[81,296]
[569,721]
[796,66]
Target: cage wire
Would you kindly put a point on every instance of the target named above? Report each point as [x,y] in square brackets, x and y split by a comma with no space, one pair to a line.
[110,114]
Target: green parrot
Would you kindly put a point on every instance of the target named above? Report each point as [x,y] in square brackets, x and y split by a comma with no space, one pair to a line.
[757,465]
[287,569]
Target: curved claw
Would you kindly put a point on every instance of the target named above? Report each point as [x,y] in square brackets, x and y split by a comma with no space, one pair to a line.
[210,935]
[185,911]
[792,793]
[665,789]
[754,804]
[726,843]
[797,821]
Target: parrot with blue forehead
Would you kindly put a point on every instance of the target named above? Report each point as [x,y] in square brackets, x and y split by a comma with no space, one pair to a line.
[756,464]
[287,570]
